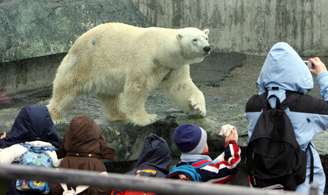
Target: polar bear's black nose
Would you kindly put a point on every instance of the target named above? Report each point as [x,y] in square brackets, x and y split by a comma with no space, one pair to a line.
[207,49]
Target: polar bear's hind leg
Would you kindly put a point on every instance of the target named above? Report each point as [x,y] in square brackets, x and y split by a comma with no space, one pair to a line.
[65,89]
[111,106]
[61,101]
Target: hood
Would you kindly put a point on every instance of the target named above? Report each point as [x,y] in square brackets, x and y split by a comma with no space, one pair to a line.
[32,123]
[284,70]
[85,137]
[155,153]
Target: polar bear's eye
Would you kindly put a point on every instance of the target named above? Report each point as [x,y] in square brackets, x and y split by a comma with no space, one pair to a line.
[195,40]
[206,38]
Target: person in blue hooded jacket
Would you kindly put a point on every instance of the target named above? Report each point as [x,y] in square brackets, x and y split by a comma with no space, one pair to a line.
[33,126]
[282,72]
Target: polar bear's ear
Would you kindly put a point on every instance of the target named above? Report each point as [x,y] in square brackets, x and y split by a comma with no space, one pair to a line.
[206,31]
[179,36]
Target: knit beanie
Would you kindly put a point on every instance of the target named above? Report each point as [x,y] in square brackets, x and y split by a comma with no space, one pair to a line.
[190,138]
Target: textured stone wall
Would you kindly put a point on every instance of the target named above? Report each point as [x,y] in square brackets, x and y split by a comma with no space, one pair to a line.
[32,28]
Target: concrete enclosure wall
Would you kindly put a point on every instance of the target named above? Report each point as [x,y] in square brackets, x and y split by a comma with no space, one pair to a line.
[248,26]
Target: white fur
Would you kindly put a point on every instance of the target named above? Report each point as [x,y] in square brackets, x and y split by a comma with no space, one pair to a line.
[123,63]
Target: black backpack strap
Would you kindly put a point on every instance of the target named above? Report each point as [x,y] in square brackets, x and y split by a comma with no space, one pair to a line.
[263,102]
[291,97]
[311,163]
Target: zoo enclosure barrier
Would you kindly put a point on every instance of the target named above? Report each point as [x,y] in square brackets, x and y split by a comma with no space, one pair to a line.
[121,181]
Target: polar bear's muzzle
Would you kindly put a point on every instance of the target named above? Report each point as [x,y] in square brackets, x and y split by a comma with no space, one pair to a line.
[207,50]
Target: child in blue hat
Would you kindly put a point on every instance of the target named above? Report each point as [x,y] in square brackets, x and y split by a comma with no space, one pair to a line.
[195,164]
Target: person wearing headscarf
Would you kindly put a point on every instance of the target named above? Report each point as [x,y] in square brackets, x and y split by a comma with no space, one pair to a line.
[283,76]
[34,126]
[84,148]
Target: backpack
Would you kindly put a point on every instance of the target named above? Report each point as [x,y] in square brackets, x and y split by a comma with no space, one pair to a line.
[273,156]
[35,156]
[187,169]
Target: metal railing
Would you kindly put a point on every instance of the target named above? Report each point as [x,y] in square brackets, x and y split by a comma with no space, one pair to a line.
[120,181]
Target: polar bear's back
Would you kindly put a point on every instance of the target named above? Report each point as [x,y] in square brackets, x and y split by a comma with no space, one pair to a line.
[107,37]
[119,44]
[119,35]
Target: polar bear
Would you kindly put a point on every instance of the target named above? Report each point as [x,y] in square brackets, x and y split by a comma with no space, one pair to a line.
[122,64]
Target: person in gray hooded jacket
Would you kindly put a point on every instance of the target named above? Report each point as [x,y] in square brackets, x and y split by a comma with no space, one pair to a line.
[283,72]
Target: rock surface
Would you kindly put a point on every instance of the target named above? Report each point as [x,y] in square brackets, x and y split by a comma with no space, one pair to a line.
[38,28]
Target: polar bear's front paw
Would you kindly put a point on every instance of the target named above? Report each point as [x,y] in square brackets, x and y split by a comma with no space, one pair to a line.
[197,108]
[143,119]
[116,117]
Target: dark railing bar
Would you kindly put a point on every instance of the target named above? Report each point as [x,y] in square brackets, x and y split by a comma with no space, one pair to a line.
[120,181]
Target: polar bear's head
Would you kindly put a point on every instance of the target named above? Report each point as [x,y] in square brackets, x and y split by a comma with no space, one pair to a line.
[194,44]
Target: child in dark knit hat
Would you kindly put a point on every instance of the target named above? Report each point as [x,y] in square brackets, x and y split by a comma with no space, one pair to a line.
[195,164]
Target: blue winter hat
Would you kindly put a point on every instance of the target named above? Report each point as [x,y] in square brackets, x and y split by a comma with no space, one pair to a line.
[187,170]
[190,138]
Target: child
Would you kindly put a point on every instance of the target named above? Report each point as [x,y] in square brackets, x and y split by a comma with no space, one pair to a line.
[32,130]
[84,147]
[153,161]
[191,140]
